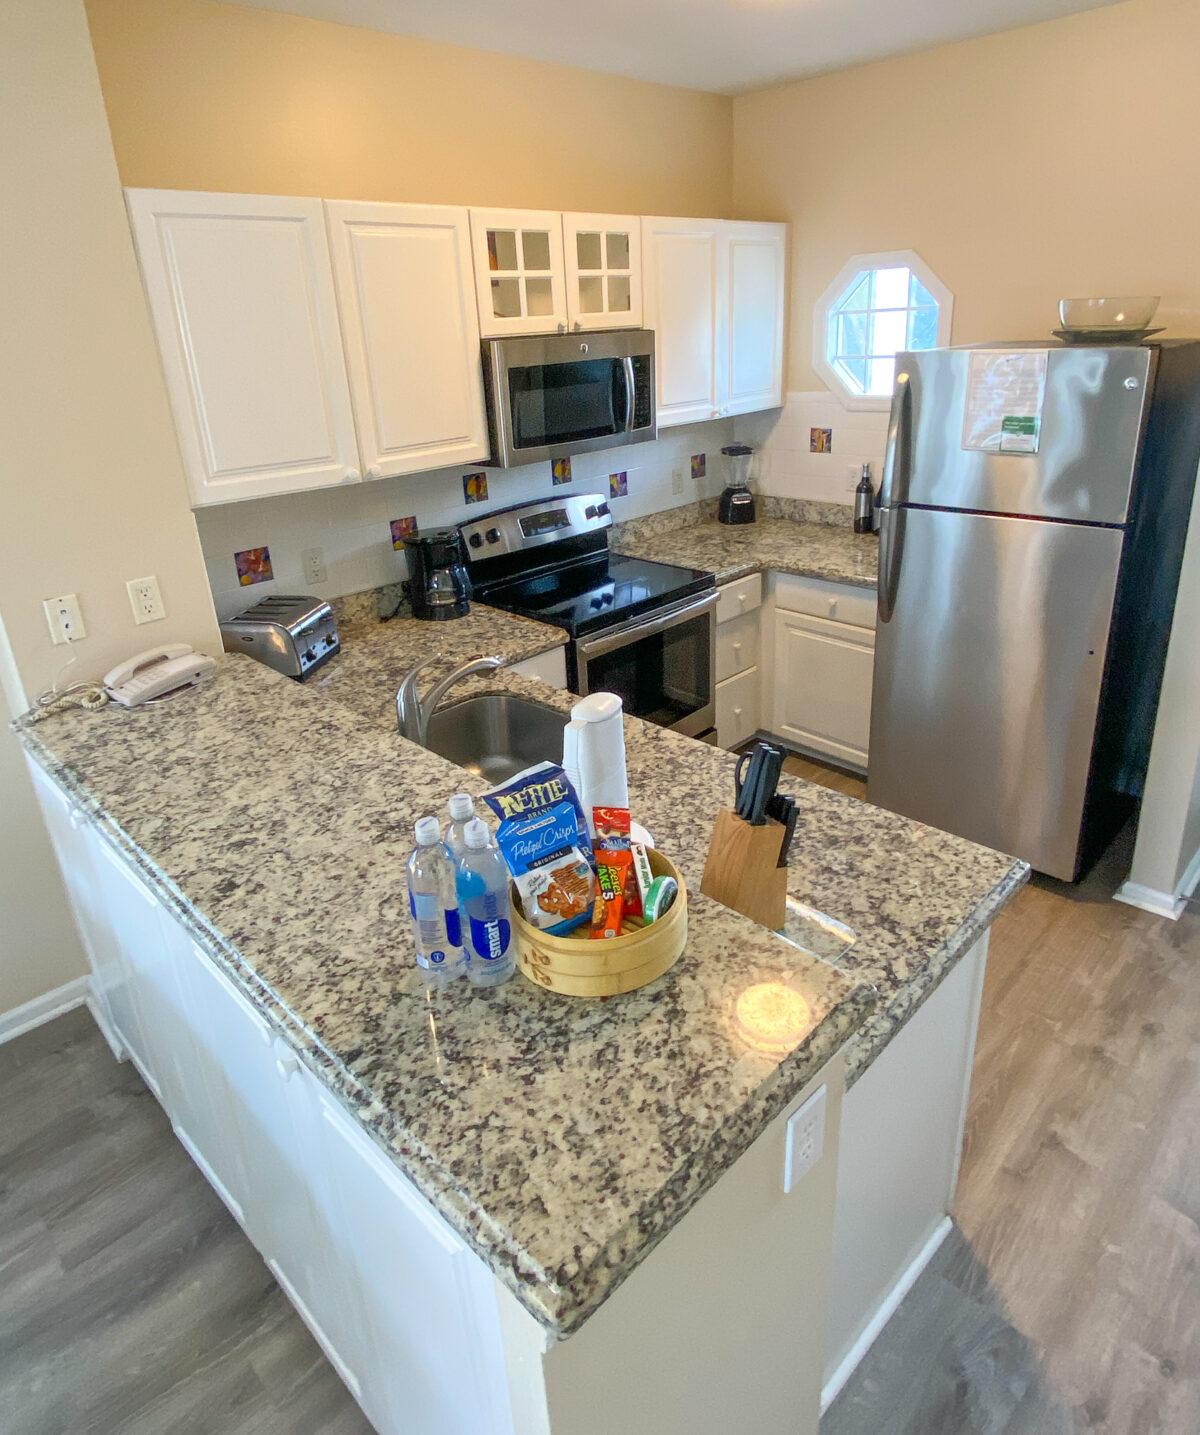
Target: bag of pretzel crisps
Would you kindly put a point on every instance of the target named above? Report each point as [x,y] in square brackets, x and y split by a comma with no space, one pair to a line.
[543,838]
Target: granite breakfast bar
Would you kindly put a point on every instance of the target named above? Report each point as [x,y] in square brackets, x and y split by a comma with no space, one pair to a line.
[601,1179]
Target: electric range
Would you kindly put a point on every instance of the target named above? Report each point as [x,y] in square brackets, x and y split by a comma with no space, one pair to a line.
[640,629]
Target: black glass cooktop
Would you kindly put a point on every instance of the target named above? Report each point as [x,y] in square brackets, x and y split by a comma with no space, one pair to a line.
[597,592]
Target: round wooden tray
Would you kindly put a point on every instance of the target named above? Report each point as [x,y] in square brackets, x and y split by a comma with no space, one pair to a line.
[585,967]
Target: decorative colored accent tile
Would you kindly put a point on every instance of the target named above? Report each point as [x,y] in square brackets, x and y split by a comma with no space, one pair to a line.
[253,566]
[402,528]
[699,465]
[820,440]
[560,471]
[474,487]
[618,485]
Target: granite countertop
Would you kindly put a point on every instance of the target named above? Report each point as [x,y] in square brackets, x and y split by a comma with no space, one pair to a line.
[275,818]
[783,545]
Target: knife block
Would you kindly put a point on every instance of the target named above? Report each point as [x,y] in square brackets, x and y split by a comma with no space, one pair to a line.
[742,870]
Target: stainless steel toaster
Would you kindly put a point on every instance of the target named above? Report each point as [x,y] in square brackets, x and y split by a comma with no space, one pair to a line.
[290,634]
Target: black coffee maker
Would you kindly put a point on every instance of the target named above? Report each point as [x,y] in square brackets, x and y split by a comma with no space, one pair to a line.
[438,585]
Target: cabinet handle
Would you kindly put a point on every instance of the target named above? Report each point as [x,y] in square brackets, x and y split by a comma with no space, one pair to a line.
[742,598]
[577,326]
[737,712]
[374,473]
[562,328]
[737,647]
[351,475]
[287,1066]
[833,607]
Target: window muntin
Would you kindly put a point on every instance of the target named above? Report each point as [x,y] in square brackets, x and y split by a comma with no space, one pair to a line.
[881,313]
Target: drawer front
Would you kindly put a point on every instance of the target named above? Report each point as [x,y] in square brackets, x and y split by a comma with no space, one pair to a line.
[839,602]
[737,708]
[741,597]
[737,645]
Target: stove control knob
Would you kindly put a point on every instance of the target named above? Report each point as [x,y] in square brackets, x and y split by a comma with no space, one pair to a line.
[475,541]
[493,535]
[602,508]
[590,511]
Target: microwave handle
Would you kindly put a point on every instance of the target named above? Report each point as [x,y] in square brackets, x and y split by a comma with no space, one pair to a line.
[646,628]
[630,391]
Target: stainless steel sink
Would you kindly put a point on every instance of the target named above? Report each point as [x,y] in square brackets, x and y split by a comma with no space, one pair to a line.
[496,735]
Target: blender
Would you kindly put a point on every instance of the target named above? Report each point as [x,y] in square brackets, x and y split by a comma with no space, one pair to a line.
[737,502]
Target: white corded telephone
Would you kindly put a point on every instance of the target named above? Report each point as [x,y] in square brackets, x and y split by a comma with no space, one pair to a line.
[156,671]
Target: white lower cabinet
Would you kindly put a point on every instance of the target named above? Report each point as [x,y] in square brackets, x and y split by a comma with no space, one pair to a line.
[823,685]
[738,692]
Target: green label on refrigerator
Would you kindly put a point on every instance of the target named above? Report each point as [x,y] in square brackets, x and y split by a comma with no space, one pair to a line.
[1018,433]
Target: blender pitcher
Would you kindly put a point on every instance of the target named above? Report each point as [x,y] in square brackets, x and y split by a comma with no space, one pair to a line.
[737,502]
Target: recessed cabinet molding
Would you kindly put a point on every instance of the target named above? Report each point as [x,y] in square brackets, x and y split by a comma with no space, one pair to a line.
[519,274]
[822,698]
[405,293]
[714,295]
[242,298]
[603,255]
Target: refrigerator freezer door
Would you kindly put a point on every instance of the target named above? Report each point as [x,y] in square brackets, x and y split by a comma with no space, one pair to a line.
[1088,433]
[987,678]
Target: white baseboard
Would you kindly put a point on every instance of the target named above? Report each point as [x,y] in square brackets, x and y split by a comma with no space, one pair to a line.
[887,1309]
[1149,899]
[43,1009]
[1191,878]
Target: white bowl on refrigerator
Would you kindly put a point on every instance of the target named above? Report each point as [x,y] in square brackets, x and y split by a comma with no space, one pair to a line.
[1128,312]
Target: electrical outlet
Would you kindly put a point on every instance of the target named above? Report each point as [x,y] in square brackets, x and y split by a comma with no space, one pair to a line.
[853,474]
[64,618]
[313,560]
[805,1139]
[677,480]
[145,600]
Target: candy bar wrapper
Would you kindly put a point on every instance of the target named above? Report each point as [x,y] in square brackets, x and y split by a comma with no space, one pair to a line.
[617,893]
[543,838]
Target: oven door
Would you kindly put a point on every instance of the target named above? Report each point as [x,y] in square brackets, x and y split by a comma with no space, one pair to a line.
[662,666]
[559,395]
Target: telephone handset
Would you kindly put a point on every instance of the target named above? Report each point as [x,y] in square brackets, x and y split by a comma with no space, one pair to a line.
[155,672]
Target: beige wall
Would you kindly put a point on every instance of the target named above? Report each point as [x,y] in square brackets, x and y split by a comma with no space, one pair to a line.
[210,96]
[90,476]
[1051,161]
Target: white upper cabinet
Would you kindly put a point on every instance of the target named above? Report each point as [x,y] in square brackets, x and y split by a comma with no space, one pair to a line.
[406,295]
[714,295]
[519,275]
[241,293]
[753,360]
[603,254]
[684,295]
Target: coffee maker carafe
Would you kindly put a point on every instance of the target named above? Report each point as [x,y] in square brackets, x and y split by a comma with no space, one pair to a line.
[438,586]
[736,504]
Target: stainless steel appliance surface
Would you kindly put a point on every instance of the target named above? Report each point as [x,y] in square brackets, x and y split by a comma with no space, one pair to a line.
[550,396]
[1034,508]
[293,635]
[643,630]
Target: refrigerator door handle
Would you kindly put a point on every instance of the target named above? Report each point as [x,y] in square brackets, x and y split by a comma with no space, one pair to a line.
[891,550]
[893,486]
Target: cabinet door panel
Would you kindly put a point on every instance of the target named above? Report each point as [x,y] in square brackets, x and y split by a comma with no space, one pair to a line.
[425,1298]
[737,645]
[520,281]
[684,294]
[406,295]
[823,685]
[242,298]
[603,257]
[754,332]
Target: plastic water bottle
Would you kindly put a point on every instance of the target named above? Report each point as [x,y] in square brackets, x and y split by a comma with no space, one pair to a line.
[462,810]
[433,906]
[483,897]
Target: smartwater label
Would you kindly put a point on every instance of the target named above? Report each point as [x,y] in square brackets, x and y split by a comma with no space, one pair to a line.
[489,938]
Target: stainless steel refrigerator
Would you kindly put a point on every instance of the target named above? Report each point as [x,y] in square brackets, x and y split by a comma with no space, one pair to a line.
[1034,510]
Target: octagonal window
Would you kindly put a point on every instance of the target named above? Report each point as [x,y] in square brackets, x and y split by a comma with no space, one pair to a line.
[878,306]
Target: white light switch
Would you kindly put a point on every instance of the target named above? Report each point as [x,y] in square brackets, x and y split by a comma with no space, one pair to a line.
[805,1139]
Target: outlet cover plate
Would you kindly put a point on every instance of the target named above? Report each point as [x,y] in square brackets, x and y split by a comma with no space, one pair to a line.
[313,561]
[145,600]
[64,619]
[805,1139]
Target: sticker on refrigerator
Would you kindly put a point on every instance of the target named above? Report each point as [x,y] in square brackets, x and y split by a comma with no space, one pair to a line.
[1006,389]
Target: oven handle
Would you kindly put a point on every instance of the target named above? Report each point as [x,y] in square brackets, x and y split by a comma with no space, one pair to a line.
[630,391]
[645,628]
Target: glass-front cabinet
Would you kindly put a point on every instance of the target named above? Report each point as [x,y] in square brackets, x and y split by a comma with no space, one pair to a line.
[603,255]
[519,275]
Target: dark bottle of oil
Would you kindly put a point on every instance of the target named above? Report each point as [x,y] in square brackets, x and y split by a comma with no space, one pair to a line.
[864,502]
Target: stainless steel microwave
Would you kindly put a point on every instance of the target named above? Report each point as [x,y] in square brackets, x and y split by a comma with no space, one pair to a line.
[553,395]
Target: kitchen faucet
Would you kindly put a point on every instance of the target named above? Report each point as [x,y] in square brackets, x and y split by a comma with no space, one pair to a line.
[413,712]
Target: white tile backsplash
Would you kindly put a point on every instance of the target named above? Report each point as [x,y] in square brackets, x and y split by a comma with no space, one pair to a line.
[350,523]
[785,464]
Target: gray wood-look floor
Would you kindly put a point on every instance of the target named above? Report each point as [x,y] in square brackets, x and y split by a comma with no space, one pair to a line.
[1066,1300]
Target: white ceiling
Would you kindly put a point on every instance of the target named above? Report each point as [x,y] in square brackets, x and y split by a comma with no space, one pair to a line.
[722,45]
